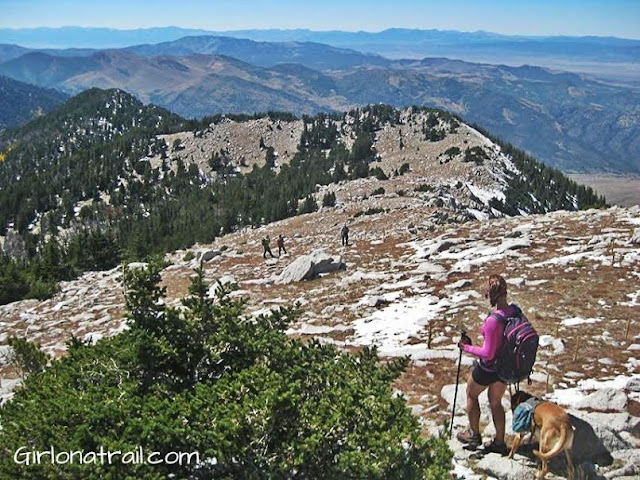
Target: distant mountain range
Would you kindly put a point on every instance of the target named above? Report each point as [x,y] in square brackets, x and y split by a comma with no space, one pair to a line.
[568,121]
[264,54]
[577,54]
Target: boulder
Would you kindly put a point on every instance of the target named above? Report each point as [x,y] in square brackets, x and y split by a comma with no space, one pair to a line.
[376,302]
[607,399]
[631,461]
[310,266]
[633,385]
[323,263]
[593,441]
[6,352]
[443,245]
[209,254]
[464,283]
[500,467]
[300,269]
[555,343]
[618,422]
[7,386]
[227,280]
[137,265]
[13,245]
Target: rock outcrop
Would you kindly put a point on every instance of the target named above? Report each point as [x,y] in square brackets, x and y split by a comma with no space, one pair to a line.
[307,267]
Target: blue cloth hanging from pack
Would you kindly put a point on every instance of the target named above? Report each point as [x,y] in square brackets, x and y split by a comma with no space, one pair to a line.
[523,415]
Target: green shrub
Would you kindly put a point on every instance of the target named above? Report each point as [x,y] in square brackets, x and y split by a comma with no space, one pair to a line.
[329,200]
[26,357]
[379,173]
[425,187]
[404,168]
[369,211]
[204,378]
[452,152]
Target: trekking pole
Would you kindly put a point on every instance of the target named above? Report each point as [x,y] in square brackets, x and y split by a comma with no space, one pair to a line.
[455,394]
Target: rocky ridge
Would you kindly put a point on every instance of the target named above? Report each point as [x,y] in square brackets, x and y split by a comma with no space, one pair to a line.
[438,168]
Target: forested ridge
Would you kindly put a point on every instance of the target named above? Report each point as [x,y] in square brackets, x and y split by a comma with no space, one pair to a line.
[77,191]
[21,102]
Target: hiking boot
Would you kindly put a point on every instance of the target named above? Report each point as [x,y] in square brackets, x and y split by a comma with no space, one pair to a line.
[496,447]
[469,437]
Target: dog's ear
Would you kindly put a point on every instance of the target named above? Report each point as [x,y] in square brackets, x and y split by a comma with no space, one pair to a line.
[518,397]
[515,400]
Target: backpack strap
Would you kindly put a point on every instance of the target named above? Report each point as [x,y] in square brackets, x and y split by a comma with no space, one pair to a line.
[534,402]
[498,317]
[501,318]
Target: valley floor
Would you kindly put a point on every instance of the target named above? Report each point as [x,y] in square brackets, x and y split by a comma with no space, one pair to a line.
[622,190]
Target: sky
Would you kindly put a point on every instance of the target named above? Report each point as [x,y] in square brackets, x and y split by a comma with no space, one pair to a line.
[619,18]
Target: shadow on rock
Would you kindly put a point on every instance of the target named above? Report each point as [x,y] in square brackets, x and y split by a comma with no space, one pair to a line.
[588,450]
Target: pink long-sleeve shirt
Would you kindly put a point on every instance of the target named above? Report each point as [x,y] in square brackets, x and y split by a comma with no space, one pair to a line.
[492,332]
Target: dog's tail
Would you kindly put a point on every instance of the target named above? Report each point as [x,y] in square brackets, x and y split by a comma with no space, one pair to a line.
[557,448]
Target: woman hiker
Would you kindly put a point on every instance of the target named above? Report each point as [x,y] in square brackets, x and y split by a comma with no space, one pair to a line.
[483,376]
[281,245]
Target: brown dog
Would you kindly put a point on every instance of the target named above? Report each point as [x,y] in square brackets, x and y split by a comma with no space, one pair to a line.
[553,430]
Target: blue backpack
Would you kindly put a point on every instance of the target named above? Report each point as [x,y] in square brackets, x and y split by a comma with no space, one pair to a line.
[520,346]
[523,415]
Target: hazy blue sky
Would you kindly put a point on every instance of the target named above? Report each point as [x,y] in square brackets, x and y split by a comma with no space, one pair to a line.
[540,17]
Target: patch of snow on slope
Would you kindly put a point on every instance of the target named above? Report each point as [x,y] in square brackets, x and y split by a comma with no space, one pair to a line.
[571,396]
[482,253]
[635,297]
[484,194]
[391,327]
[572,322]
[478,214]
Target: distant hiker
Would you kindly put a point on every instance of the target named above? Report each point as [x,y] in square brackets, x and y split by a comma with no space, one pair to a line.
[344,233]
[484,374]
[281,245]
[267,249]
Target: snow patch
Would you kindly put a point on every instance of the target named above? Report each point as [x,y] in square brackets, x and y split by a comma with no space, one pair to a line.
[572,322]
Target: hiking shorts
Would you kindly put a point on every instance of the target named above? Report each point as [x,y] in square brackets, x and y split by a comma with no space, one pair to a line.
[483,377]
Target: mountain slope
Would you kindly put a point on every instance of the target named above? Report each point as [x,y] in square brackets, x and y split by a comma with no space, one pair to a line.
[199,84]
[73,153]
[607,57]
[105,148]
[410,286]
[20,102]
[47,70]
[568,121]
